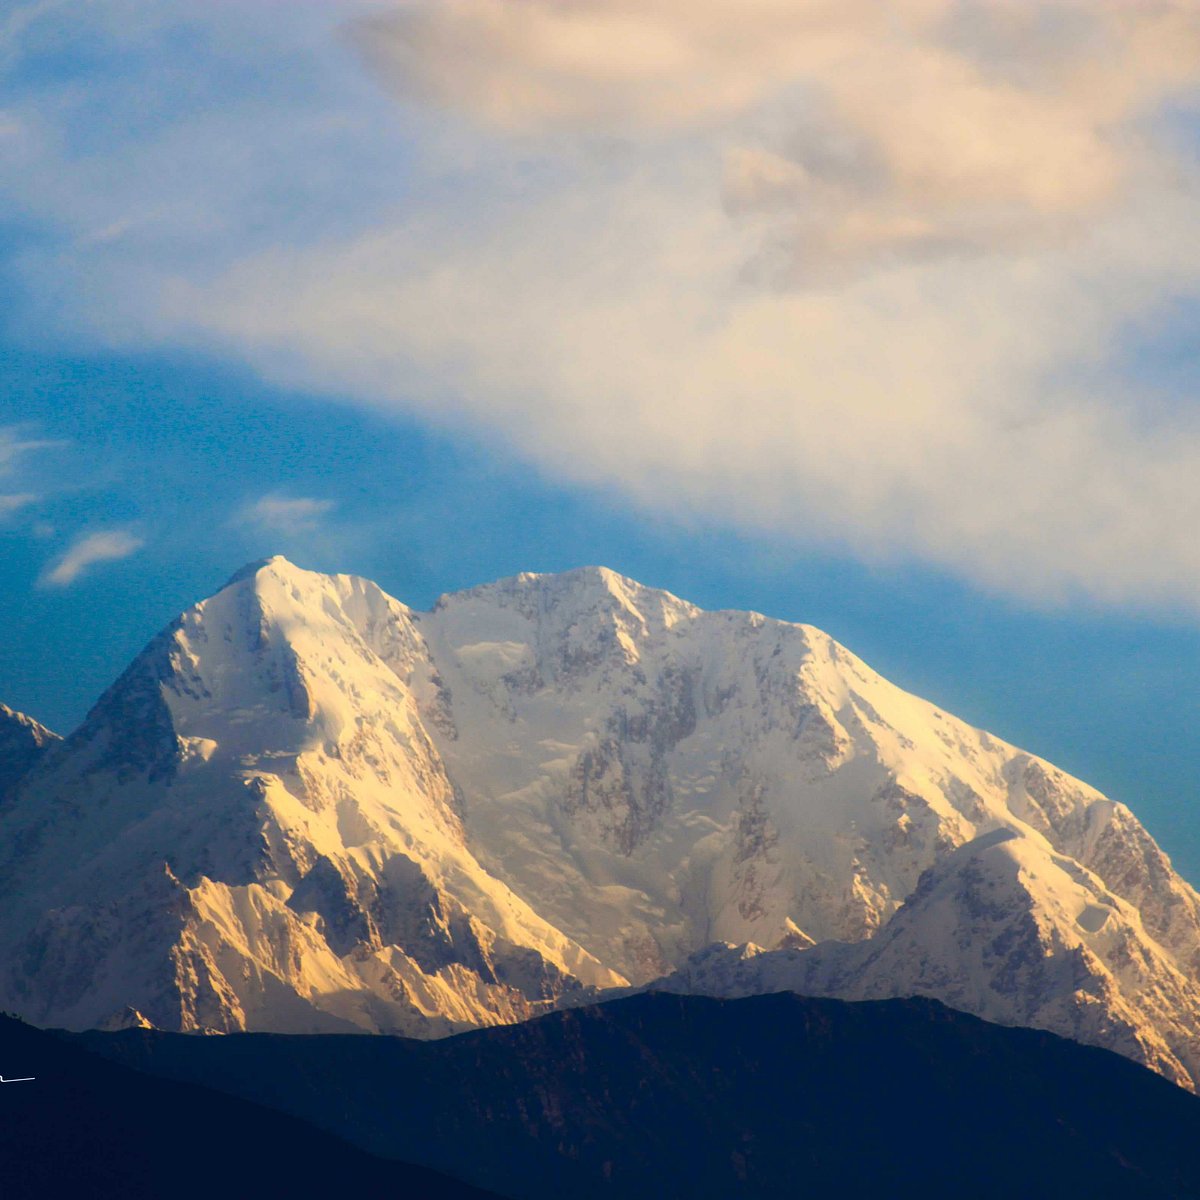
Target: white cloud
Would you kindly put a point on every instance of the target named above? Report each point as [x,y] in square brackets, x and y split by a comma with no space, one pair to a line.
[285,514]
[107,546]
[873,274]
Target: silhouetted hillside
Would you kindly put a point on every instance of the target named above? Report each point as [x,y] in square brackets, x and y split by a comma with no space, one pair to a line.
[90,1129]
[661,1095]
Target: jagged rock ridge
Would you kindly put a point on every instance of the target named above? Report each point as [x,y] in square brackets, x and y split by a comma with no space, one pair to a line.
[22,742]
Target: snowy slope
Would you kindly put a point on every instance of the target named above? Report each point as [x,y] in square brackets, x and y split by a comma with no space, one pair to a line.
[306,806]
[655,778]
[253,830]
[730,777]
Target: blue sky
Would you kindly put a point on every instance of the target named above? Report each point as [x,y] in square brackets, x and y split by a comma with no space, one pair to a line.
[318,280]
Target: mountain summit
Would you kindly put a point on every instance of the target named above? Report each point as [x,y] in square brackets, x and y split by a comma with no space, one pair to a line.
[307,807]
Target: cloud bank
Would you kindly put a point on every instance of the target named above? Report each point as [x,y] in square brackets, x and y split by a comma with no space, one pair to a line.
[885,277]
[86,552]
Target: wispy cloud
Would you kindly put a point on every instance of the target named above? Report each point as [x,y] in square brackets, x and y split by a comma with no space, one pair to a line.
[16,442]
[20,16]
[13,502]
[288,515]
[106,546]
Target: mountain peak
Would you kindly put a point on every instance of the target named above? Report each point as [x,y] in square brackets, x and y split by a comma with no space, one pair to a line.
[276,561]
[581,593]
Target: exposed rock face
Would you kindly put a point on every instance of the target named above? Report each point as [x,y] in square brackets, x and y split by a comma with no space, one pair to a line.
[306,806]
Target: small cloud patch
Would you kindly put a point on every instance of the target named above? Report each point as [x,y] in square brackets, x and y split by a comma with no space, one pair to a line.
[286,514]
[107,546]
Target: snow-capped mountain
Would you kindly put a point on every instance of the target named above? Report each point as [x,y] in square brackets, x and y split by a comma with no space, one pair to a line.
[306,806]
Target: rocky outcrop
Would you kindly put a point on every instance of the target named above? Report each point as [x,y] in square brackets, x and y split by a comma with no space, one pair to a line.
[22,743]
